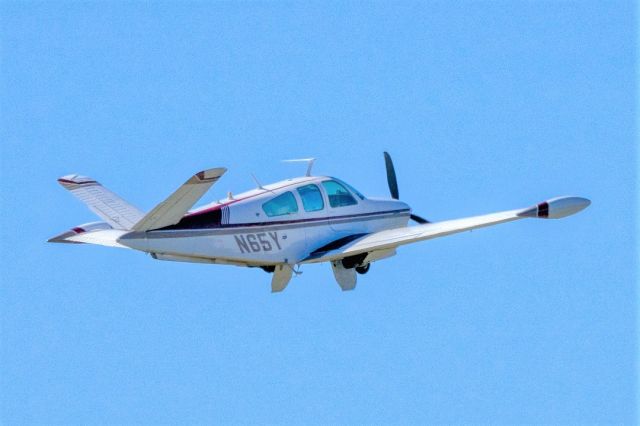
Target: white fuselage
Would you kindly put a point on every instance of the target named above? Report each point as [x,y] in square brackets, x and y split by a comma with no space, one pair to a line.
[243,231]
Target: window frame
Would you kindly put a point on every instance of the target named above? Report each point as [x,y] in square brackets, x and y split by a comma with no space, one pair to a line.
[322,198]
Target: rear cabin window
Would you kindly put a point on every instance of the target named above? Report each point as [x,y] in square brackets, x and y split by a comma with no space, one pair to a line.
[338,195]
[281,205]
[311,198]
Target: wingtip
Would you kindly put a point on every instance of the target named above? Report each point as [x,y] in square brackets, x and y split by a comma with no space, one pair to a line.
[557,208]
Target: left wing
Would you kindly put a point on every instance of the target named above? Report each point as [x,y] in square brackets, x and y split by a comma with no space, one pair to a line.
[390,239]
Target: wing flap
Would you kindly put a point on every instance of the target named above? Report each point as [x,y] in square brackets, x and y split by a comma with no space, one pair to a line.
[170,211]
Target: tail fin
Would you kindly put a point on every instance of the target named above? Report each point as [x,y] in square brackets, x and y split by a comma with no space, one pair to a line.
[110,207]
[171,210]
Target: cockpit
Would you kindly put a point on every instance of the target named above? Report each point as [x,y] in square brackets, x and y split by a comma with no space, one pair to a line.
[312,198]
[339,194]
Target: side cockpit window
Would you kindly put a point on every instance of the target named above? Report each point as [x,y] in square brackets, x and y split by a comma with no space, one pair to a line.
[311,198]
[281,205]
[338,195]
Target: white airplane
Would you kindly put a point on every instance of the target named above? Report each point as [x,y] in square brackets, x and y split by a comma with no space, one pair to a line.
[277,227]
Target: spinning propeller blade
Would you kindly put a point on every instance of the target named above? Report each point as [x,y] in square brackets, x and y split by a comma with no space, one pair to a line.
[393,186]
[391,176]
[419,219]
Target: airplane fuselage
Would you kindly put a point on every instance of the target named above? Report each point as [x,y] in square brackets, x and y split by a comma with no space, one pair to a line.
[276,227]
[281,223]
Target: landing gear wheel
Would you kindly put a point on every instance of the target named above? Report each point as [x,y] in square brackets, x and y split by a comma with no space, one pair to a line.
[363,269]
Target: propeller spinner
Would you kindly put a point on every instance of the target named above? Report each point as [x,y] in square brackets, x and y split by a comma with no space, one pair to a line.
[393,186]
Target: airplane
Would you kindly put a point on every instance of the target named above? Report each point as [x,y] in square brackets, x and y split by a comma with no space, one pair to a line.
[277,227]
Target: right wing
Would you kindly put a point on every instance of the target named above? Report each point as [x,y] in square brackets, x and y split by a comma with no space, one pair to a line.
[392,238]
[170,211]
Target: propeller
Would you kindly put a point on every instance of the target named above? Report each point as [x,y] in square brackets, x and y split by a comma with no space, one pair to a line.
[393,186]
[418,219]
[391,176]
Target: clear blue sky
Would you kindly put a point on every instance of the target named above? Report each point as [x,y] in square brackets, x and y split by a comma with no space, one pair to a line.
[484,106]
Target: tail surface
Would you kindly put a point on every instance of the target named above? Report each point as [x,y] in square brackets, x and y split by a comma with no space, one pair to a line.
[107,205]
[170,211]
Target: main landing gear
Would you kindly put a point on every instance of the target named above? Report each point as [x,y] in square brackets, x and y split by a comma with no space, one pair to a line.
[357,262]
[363,269]
[345,270]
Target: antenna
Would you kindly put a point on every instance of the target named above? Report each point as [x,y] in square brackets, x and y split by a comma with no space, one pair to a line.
[303,160]
[256,181]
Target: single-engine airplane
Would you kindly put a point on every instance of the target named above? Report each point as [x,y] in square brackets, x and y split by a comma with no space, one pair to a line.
[277,227]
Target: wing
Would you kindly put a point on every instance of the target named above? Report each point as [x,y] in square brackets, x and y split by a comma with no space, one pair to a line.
[384,241]
[170,211]
[107,205]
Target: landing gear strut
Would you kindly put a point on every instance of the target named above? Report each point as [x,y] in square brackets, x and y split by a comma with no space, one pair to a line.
[363,269]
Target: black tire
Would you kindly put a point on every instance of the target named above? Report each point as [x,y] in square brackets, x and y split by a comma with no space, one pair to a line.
[363,269]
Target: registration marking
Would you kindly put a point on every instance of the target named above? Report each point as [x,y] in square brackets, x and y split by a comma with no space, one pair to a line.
[261,241]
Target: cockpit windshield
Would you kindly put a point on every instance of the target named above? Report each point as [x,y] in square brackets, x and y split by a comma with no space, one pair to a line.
[338,194]
[355,191]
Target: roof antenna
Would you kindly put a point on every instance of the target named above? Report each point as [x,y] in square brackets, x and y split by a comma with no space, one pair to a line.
[303,160]
[256,181]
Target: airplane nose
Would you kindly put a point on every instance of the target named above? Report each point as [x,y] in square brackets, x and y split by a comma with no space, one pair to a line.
[402,206]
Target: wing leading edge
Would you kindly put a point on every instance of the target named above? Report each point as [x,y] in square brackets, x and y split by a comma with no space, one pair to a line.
[390,239]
